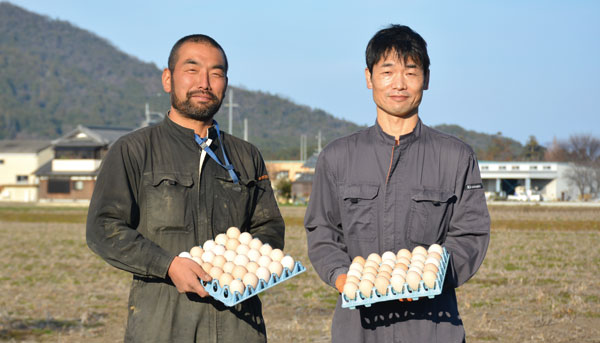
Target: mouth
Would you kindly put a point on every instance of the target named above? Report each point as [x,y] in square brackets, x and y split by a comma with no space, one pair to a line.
[202,96]
[399,97]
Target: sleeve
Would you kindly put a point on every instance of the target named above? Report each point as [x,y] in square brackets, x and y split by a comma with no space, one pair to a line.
[266,222]
[327,250]
[469,231]
[113,215]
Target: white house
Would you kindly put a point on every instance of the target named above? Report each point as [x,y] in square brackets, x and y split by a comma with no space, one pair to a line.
[19,159]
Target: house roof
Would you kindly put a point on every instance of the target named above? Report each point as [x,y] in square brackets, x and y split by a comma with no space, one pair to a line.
[91,136]
[311,162]
[305,178]
[23,146]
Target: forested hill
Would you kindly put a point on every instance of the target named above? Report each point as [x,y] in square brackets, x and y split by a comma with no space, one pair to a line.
[55,76]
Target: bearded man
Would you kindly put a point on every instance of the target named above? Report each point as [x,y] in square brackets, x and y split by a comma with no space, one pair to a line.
[163,189]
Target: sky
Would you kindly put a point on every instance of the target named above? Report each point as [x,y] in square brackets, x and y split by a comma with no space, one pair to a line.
[520,68]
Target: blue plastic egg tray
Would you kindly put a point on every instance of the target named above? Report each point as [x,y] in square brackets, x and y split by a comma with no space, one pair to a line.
[224,295]
[407,292]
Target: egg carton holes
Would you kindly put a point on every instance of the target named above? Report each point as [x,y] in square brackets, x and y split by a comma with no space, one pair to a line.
[229,298]
[406,292]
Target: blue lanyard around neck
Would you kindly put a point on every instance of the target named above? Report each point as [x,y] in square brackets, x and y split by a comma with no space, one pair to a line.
[228,166]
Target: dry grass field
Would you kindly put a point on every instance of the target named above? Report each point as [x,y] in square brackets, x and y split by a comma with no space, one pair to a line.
[540,281]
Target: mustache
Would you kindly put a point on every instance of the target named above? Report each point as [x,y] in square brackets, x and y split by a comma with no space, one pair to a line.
[209,93]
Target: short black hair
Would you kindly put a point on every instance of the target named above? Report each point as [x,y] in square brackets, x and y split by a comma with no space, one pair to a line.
[399,39]
[195,38]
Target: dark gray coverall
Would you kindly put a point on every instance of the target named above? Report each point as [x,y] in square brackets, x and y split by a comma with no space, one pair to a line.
[153,200]
[370,195]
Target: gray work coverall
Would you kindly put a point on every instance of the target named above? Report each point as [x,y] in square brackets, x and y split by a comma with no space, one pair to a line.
[153,200]
[371,195]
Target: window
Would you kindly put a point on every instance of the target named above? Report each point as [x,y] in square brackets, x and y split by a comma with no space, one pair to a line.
[1,162]
[78,185]
[22,178]
[547,167]
[515,168]
[532,167]
[59,186]
[502,168]
[485,168]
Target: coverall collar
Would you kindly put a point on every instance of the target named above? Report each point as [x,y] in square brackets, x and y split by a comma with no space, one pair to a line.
[188,134]
[404,140]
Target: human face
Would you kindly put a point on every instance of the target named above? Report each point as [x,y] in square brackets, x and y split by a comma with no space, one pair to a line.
[198,82]
[397,86]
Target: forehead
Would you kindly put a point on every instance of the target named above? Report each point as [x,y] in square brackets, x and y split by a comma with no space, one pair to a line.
[392,58]
[199,52]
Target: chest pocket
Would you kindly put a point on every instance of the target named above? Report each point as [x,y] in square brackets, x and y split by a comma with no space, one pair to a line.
[232,202]
[429,216]
[167,201]
[360,208]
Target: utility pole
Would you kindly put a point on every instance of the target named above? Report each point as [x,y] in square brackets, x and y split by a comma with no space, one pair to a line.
[231,105]
[148,115]
[246,129]
[319,138]
[303,139]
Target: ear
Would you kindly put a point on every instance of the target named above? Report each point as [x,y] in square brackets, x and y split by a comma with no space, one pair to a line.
[368,78]
[426,81]
[166,80]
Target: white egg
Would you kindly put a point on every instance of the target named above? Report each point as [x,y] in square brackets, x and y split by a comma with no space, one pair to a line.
[371,263]
[350,290]
[238,272]
[241,260]
[388,262]
[429,278]
[430,267]
[368,276]
[413,279]
[288,262]
[434,255]
[418,257]
[375,258]
[232,244]
[384,274]
[381,284]
[370,270]
[399,271]
[397,282]
[218,261]
[276,255]
[253,255]
[209,245]
[386,268]
[221,239]
[276,268]
[265,250]
[245,238]
[417,264]
[250,279]
[215,272]
[206,266]
[252,267]
[242,249]
[208,256]
[419,250]
[185,254]
[197,260]
[404,253]
[436,248]
[263,273]
[225,279]
[228,267]
[366,288]
[237,285]
[354,272]
[218,250]
[255,243]
[388,255]
[233,232]
[229,255]
[356,266]
[432,260]
[264,261]
[196,251]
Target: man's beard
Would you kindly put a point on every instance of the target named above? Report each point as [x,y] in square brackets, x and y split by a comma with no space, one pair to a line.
[202,112]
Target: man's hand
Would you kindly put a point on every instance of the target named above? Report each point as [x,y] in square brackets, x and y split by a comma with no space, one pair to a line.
[184,273]
[340,282]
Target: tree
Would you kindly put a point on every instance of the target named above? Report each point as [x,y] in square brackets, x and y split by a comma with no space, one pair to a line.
[583,151]
[532,151]
[284,188]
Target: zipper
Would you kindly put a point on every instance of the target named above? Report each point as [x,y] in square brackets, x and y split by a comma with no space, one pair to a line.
[387,178]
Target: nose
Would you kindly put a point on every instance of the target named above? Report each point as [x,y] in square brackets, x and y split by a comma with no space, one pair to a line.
[203,81]
[399,82]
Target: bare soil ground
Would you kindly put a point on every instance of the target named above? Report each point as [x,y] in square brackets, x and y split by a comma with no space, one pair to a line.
[540,281]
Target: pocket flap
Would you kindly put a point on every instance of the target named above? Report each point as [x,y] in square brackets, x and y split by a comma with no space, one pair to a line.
[433,195]
[184,180]
[368,192]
